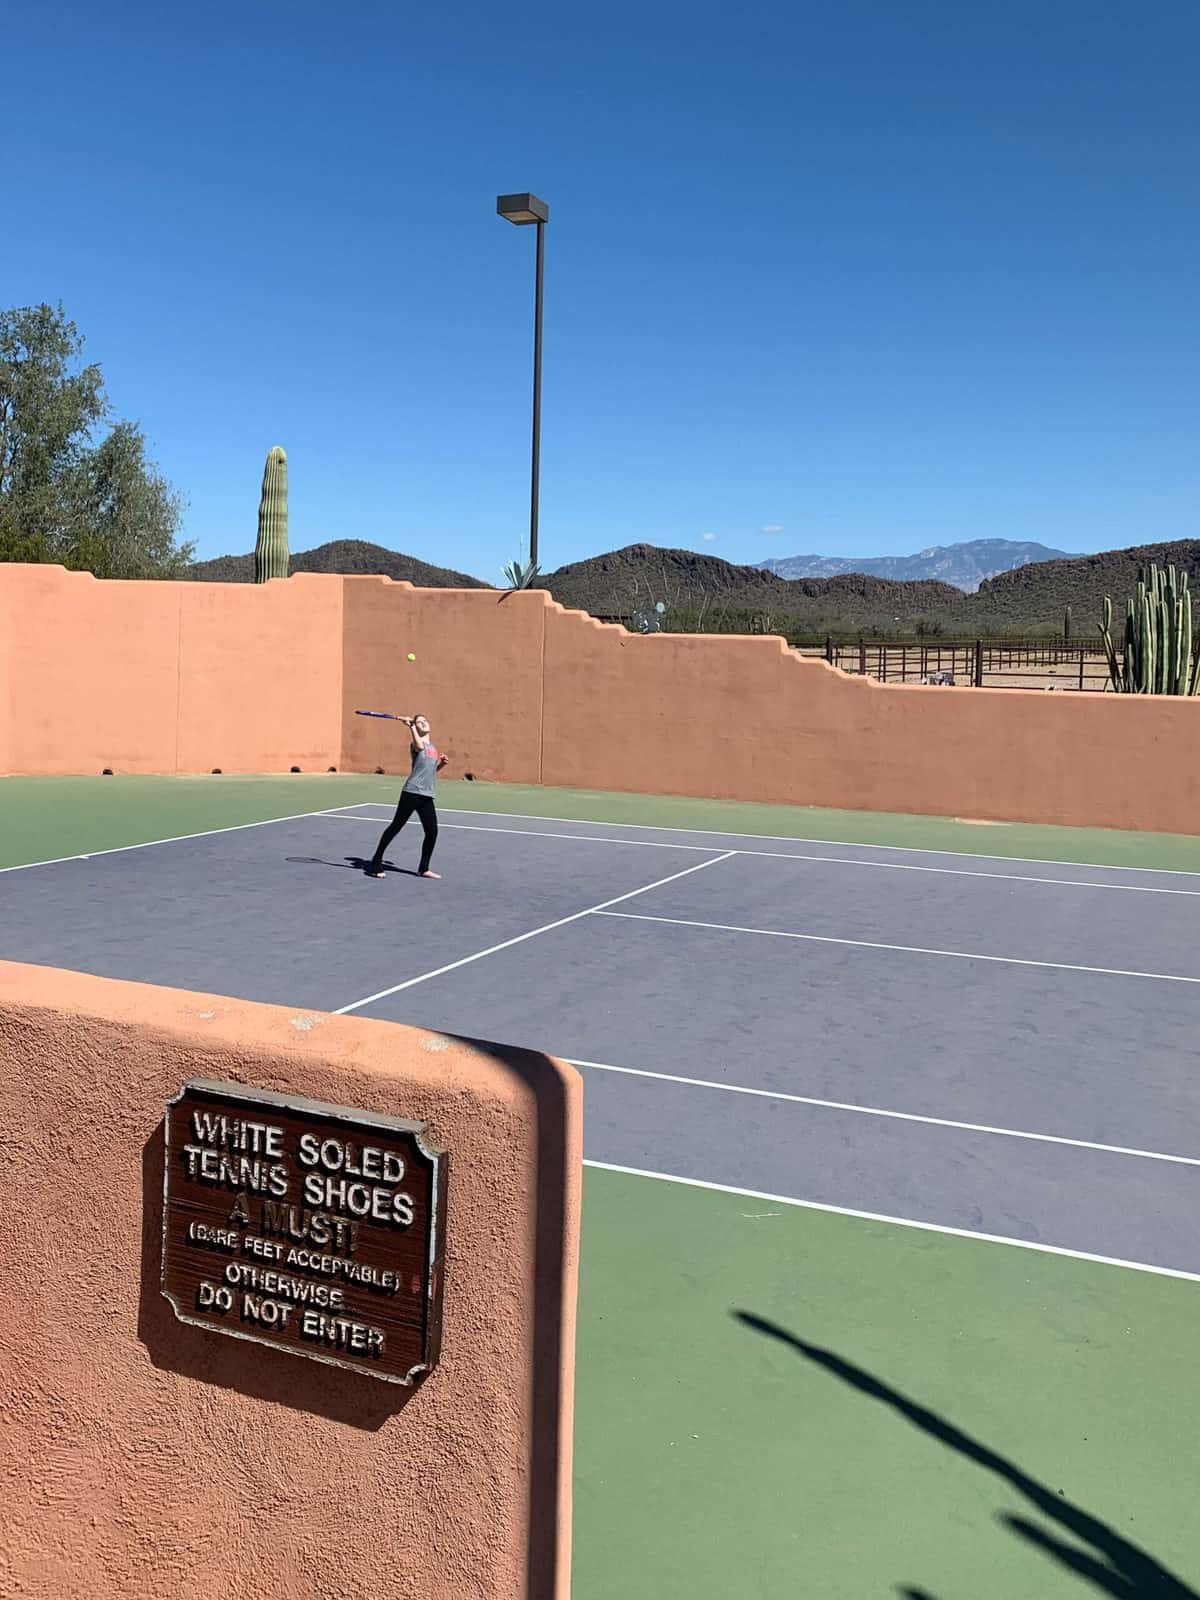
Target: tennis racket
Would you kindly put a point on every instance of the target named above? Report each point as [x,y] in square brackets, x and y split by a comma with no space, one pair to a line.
[390,716]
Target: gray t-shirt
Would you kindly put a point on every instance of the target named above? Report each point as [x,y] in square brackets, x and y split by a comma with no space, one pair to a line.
[423,777]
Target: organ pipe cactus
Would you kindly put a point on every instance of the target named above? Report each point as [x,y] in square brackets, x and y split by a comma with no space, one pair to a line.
[1157,653]
[271,551]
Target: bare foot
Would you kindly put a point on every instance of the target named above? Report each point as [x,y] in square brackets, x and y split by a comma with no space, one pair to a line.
[428,874]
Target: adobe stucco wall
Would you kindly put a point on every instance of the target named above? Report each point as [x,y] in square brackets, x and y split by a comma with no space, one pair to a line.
[186,677]
[749,719]
[145,1458]
[477,676]
[167,677]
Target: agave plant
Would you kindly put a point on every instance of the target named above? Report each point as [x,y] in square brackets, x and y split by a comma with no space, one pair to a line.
[522,575]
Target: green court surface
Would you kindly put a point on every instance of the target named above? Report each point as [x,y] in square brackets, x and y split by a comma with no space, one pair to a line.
[775,1401]
[50,817]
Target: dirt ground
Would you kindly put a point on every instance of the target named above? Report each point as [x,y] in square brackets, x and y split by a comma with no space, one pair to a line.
[1063,676]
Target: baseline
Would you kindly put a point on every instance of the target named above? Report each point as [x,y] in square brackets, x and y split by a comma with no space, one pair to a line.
[837,844]
[879,1111]
[584,838]
[899,1222]
[791,855]
[178,838]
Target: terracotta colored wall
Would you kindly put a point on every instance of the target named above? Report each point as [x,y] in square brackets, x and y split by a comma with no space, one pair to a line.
[92,672]
[477,676]
[144,1457]
[186,677]
[167,677]
[260,675]
[747,719]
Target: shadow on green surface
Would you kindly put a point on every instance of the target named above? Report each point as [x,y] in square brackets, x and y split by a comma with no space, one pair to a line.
[1113,1565]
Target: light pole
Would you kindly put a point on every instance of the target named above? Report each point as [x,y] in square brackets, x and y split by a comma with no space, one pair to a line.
[524,209]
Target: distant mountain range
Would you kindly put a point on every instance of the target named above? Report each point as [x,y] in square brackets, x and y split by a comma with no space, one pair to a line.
[703,593]
[704,588]
[965,566]
[706,594]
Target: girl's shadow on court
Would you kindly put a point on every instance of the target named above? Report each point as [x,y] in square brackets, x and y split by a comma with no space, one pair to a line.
[350,864]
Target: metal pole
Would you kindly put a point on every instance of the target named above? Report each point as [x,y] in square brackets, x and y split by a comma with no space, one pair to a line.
[537,398]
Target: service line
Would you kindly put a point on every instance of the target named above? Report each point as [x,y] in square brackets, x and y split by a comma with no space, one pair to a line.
[902,949]
[547,927]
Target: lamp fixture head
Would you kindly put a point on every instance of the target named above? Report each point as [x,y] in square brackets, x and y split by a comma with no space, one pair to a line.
[522,208]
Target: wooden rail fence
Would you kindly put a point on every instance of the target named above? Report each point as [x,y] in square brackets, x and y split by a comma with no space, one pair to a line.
[975,662]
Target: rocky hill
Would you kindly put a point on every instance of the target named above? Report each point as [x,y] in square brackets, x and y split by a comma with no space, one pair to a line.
[964,565]
[705,593]
[348,556]
[1033,599]
[622,582]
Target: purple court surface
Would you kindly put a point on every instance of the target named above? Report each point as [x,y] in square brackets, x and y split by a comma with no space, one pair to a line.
[997,1046]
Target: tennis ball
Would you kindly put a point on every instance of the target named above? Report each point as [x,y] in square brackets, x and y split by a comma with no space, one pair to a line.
[411,657]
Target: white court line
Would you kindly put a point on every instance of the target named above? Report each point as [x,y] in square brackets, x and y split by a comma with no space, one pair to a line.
[837,844]
[788,855]
[957,872]
[905,949]
[899,1222]
[507,944]
[587,838]
[876,1111]
[179,838]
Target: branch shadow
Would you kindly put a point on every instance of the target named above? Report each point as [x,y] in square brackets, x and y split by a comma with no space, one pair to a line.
[1112,1565]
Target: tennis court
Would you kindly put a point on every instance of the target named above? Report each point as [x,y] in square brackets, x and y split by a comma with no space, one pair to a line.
[891,1254]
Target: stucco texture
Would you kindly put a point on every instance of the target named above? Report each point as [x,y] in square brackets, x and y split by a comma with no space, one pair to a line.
[144,1457]
[185,677]
[168,677]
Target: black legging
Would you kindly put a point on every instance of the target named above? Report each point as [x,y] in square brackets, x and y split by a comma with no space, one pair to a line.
[424,807]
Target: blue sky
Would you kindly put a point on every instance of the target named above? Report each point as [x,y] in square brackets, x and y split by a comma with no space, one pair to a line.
[869,275]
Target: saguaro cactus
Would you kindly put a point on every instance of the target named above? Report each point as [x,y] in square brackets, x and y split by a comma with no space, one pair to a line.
[1157,656]
[271,551]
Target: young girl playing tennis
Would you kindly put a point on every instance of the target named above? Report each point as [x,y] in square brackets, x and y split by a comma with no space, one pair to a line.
[416,795]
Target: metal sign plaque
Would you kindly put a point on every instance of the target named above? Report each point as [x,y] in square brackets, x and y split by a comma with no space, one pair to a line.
[308,1227]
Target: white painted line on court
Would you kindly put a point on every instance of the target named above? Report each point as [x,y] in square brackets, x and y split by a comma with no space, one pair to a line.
[837,861]
[584,838]
[877,1111]
[179,838]
[507,944]
[836,844]
[963,872]
[898,1222]
[904,949]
